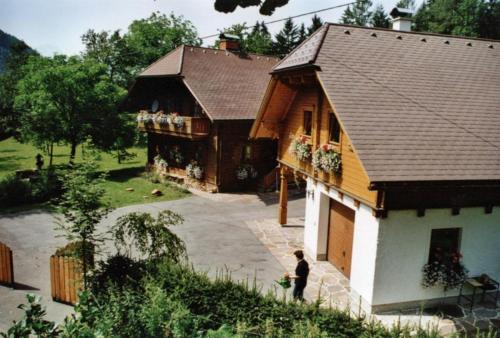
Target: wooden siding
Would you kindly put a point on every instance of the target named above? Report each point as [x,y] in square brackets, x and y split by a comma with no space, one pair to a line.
[353,179]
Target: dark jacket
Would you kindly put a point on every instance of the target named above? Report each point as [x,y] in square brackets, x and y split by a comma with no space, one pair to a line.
[302,271]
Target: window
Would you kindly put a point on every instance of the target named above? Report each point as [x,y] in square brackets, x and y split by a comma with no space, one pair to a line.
[247,153]
[444,243]
[334,129]
[307,122]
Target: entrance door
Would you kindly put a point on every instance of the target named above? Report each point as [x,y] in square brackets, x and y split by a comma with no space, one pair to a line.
[340,236]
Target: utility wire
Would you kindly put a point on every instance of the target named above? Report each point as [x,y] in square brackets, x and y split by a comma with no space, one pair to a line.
[290,17]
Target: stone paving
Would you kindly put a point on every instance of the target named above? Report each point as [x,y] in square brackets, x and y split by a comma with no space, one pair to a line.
[327,282]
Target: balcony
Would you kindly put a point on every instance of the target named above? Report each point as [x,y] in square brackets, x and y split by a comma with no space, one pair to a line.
[174,124]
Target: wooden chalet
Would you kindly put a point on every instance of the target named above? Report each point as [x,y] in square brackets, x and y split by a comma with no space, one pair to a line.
[197,106]
[398,137]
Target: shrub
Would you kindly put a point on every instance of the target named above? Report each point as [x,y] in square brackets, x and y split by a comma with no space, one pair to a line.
[76,249]
[14,191]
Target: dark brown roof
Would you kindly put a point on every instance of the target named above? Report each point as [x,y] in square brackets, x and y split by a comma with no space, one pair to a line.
[227,85]
[417,107]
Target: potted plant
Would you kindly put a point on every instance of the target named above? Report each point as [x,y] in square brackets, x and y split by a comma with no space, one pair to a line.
[300,148]
[160,163]
[176,155]
[444,270]
[327,159]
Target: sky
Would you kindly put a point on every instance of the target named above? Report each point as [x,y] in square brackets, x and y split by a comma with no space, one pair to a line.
[55,26]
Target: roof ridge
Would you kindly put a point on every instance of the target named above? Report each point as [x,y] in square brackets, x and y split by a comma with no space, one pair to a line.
[222,50]
[413,32]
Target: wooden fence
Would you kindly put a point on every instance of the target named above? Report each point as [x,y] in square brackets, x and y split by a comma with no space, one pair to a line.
[6,266]
[66,278]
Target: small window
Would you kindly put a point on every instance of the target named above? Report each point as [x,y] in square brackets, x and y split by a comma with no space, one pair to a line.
[334,129]
[247,153]
[307,122]
[444,242]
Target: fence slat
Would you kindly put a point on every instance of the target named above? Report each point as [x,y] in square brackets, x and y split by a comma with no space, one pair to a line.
[61,278]
[6,267]
[52,279]
[67,297]
[72,292]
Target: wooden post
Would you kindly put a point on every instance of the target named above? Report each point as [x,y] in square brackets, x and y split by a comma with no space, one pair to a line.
[282,213]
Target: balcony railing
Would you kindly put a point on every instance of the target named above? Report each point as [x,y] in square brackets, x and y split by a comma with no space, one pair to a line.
[174,124]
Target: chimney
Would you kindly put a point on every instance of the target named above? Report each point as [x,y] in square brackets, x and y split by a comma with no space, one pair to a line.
[401,19]
[229,42]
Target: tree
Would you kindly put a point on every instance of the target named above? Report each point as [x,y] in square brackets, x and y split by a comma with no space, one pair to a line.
[259,40]
[150,237]
[112,50]
[157,35]
[379,17]
[286,39]
[302,34]
[267,7]
[82,208]
[475,18]
[408,4]
[359,14]
[73,95]
[316,23]
[9,117]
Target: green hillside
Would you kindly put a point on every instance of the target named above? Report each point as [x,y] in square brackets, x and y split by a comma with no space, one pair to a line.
[6,41]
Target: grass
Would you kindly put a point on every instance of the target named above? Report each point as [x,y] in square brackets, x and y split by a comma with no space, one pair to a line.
[119,180]
[129,174]
[17,156]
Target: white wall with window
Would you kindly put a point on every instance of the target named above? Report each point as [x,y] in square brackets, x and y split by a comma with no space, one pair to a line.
[404,247]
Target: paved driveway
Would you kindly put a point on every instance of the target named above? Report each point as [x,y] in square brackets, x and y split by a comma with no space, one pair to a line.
[214,231]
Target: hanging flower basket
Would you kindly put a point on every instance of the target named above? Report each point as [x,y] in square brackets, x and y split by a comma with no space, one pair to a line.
[325,158]
[300,148]
[446,271]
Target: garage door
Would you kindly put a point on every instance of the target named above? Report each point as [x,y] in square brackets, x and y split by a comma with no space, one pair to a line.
[340,236]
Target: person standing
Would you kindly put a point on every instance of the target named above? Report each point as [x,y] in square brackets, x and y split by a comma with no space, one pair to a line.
[301,274]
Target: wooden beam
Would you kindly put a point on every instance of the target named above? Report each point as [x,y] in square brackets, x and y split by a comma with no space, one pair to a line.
[283,203]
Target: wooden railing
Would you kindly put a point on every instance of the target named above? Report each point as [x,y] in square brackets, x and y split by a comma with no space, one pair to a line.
[6,266]
[192,127]
[66,278]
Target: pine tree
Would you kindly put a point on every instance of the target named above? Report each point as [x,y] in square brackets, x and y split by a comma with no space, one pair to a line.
[315,24]
[286,39]
[259,40]
[302,34]
[359,14]
[379,17]
[408,4]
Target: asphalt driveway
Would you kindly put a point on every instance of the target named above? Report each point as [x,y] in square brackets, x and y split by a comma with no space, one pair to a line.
[214,230]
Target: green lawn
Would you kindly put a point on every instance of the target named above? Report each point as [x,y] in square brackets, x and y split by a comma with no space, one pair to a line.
[129,174]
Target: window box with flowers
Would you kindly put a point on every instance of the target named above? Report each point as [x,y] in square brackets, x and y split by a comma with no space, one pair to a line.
[445,269]
[194,170]
[176,120]
[160,163]
[327,159]
[301,149]
[246,172]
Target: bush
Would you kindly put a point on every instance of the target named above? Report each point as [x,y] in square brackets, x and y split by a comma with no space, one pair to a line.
[14,191]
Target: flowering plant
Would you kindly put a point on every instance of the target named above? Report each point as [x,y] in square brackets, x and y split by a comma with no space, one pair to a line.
[194,170]
[160,163]
[445,270]
[246,171]
[176,155]
[300,148]
[145,117]
[176,120]
[327,159]
[161,118]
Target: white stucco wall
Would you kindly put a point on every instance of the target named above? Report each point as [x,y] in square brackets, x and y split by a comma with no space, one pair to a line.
[404,242]
[364,241]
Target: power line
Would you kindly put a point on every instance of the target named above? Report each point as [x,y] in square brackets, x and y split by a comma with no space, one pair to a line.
[290,17]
